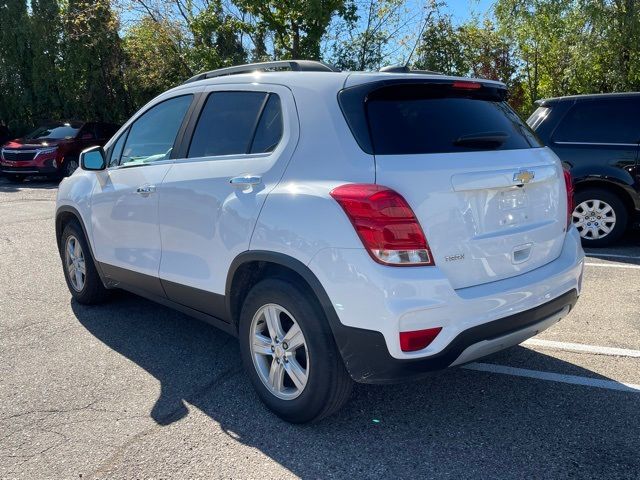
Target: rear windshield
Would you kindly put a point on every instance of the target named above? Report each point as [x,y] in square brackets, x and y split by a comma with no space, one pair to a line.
[419,119]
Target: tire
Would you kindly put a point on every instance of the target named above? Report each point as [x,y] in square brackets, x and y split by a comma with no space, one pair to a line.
[328,385]
[69,166]
[91,291]
[590,204]
[15,178]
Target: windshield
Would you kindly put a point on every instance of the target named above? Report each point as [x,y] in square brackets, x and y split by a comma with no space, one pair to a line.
[55,131]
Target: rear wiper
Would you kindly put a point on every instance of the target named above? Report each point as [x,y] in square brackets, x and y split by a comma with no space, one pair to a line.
[482,140]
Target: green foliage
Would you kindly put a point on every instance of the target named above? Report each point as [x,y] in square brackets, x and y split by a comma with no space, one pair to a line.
[573,46]
[297,25]
[156,58]
[94,62]
[16,100]
[73,59]
[365,39]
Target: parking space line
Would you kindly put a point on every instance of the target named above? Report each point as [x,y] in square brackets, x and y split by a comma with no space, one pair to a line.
[554,377]
[580,347]
[610,265]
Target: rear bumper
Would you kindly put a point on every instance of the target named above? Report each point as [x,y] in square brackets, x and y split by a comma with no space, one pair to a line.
[373,303]
[369,361]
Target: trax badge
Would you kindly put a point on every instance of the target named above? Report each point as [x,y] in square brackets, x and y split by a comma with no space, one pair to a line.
[523,176]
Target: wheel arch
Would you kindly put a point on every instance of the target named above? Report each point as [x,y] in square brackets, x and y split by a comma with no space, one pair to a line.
[250,267]
[619,189]
[66,214]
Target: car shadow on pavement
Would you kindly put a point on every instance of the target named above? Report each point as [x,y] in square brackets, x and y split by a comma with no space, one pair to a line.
[625,250]
[455,424]
[40,183]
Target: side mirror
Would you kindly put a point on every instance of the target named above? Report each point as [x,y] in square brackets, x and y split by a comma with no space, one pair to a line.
[93,159]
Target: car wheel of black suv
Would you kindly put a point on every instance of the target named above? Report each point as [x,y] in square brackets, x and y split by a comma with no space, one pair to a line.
[600,216]
[80,272]
[289,353]
[15,178]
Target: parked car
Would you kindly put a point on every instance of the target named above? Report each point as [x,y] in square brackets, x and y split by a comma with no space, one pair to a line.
[52,149]
[345,226]
[598,138]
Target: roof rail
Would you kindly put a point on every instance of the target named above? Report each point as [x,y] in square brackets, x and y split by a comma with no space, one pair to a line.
[293,65]
[406,69]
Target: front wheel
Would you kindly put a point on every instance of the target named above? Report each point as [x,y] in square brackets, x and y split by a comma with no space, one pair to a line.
[289,353]
[600,217]
[80,272]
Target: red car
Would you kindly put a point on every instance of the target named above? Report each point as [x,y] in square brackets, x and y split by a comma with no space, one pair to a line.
[52,149]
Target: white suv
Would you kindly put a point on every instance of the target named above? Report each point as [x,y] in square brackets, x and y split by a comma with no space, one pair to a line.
[345,226]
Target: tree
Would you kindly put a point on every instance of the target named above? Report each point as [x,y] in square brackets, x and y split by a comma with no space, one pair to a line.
[368,37]
[46,32]
[297,25]
[552,39]
[153,64]
[15,64]
[440,48]
[94,62]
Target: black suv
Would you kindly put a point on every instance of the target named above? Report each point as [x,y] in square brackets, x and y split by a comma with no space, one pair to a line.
[597,137]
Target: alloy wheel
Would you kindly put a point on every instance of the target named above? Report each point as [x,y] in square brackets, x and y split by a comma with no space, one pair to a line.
[75,263]
[279,351]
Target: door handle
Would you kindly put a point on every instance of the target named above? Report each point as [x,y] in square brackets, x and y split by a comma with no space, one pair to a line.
[245,180]
[145,190]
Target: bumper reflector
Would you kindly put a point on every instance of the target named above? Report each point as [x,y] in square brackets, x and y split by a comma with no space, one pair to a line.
[418,339]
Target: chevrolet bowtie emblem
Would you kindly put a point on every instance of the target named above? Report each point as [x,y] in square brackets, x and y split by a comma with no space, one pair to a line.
[523,176]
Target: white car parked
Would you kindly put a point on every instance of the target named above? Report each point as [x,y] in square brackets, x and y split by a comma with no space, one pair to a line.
[345,226]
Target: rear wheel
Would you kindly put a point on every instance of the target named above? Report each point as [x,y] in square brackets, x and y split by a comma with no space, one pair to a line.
[289,353]
[80,272]
[600,217]
[15,178]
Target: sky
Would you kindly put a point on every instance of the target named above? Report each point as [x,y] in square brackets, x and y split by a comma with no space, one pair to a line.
[464,9]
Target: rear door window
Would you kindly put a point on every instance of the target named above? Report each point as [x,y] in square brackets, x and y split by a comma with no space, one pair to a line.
[601,121]
[227,124]
[414,120]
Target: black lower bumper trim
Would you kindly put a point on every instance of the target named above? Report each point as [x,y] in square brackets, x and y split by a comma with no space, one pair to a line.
[367,358]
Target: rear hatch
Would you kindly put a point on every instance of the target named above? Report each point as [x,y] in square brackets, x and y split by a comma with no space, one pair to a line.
[491,200]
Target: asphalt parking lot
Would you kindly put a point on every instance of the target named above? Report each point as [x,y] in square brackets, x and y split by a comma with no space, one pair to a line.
[131,389]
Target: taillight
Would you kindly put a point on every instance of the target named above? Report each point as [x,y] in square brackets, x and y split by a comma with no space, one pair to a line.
[418,339]
[385,223]
[568,183]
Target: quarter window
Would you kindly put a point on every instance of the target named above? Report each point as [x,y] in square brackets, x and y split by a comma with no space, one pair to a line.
[269,131]
[152,136]
[613,121]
